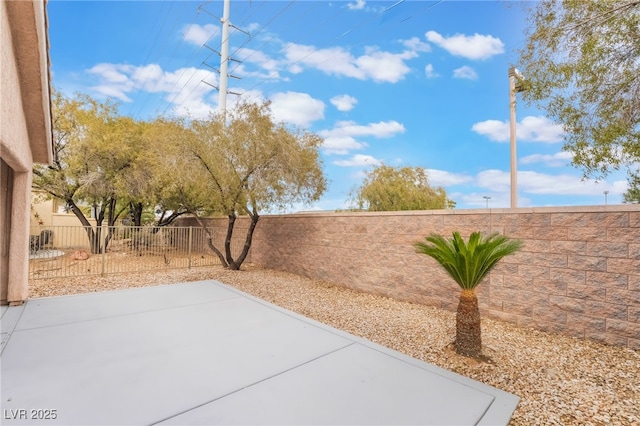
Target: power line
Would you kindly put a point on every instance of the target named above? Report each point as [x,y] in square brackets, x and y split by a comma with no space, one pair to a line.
[315,51]
[313,30]
[272,37]
[171,57]
[201,8]
[184,69]
[155,40]
[358,25]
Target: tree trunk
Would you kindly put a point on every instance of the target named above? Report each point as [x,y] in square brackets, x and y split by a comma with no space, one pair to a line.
[468,331]
[210,242]
[226,259]
[96,244]
[111,221]
[136,213]
[94,240]
[227,241]
[247,244]
[168,220]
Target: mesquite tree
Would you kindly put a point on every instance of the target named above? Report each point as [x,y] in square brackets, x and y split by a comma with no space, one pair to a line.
[387,188]
[96,155]
[242,163]
[581,64]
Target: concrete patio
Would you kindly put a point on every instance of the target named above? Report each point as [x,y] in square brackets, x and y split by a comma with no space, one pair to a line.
[205,353]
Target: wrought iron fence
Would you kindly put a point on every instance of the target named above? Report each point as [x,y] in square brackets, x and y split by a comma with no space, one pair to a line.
[65,251]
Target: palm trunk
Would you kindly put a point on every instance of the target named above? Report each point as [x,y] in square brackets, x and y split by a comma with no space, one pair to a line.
[468,331]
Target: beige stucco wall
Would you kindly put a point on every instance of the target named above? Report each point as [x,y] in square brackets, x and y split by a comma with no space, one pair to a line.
[24,85]
[42,210]
[13,131]
[67,231]
[62,224]
[25,133]
[6,195]
[578,273]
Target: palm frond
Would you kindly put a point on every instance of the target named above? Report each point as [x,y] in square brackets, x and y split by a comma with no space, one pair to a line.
[468,262]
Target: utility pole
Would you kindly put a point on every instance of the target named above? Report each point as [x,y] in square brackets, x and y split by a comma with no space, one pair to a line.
[224,59]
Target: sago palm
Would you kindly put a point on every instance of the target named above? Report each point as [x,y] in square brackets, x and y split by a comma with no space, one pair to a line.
[468,263]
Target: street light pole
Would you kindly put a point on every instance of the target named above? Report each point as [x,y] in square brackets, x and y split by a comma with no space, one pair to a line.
[513,74]
[606,193]
[487,198]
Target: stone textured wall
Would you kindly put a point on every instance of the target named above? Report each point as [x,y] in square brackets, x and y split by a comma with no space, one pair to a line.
[578,273]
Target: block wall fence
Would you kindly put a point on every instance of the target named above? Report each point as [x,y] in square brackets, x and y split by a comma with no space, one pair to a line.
[578,273]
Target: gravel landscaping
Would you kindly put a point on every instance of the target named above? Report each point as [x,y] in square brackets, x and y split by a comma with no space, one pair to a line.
[560,380]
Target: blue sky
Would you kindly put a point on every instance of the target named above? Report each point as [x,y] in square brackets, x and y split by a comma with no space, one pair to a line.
[405,83]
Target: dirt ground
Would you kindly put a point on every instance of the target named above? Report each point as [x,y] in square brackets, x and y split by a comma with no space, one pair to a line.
[73,263]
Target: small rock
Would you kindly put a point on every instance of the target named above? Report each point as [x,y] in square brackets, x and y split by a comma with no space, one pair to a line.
[80,255]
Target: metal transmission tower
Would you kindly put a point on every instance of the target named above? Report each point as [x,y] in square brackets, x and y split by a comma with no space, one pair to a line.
[224,58]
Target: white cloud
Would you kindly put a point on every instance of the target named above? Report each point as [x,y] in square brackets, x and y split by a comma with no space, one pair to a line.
[358,160]
[444,178]
[344,102]
[619,186]
[495,180]
[295,69]
[540,129]
[112,73]
[429,71]
[533,129]
[255,56]
[341,139]
[381,129]
[545,184]
[251,96]
[112,92]
[472,47]
[184,84]
[416,45]
[341,144]
[183,87]
[270,68]
[385,66]
[296,108]
[495,130]
[199,34]
[253,27]
[148,77]
[465,72]
[189,94]
[333,60]
[376,65]
[194,108]
[357,5]
[558,159]
[114,80]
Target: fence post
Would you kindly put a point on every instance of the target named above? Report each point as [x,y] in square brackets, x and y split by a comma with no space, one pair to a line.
[103,245]
[189,242]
